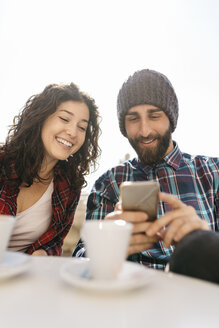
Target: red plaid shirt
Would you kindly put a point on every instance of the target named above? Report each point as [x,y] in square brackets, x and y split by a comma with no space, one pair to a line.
[64,203]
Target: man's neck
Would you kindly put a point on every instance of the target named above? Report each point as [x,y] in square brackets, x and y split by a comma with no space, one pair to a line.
[170,148]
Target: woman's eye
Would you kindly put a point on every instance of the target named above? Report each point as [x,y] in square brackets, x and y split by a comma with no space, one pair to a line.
[63,119]
[82,128]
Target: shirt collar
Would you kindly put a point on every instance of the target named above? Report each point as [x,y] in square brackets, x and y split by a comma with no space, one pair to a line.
[172,159]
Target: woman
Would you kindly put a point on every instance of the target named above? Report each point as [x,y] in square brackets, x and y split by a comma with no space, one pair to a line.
[43,164]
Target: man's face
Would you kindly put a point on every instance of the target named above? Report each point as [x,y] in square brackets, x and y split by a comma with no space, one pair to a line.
[149,133]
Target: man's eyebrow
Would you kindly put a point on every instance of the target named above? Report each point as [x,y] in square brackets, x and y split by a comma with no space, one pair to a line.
[150,111]
[154,110]
[70,113]
[132,113]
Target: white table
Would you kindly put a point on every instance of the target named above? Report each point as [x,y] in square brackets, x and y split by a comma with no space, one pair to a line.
[40,298]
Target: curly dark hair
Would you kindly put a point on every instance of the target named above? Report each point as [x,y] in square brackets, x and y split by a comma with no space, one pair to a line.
[24,144]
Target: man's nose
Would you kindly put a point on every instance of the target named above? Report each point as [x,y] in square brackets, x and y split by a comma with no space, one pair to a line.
[145,128]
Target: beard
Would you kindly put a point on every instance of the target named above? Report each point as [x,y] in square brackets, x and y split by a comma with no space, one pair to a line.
[152,155]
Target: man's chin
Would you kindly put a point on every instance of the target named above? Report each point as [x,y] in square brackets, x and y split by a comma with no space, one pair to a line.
[147,161]
[150,156]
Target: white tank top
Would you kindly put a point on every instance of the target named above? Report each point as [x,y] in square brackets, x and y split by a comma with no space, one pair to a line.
[32,223]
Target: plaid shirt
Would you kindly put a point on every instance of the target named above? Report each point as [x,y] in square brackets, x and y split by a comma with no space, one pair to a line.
[64,203]
[194,180]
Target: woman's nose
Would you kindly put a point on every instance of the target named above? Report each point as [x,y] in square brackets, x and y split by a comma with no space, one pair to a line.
[72,131]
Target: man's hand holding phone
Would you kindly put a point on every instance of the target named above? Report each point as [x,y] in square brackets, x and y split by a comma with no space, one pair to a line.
[171,227]
[179,222]
[136,198]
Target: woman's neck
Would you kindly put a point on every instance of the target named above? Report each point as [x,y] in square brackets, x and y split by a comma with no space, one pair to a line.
[47,170]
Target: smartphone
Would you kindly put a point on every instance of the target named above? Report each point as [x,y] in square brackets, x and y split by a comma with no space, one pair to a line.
[140,196]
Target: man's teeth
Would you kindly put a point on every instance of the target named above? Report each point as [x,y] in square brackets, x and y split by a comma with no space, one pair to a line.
[149,141]
[64,142]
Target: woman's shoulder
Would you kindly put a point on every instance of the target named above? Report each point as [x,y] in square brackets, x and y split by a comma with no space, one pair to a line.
[63,180]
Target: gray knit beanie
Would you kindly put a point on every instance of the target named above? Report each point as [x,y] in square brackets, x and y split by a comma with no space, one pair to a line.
[147,87]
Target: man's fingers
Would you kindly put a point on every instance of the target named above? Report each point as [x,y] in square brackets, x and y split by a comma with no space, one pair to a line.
[118,206]
[170,232]
[181,213]
[128,216]
[164,221]
[140,227]
[172,200]
[181,227]
[137,248]
[140,242]
[141,238]
[190,226]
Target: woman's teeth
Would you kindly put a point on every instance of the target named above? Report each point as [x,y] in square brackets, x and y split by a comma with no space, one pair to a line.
[64,142]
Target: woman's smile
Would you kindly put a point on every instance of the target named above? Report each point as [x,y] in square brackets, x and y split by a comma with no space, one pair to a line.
[64,142]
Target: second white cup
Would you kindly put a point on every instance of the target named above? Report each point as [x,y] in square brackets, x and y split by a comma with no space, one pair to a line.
[106,246]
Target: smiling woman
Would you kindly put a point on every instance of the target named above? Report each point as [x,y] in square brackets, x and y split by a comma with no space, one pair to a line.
[48,152]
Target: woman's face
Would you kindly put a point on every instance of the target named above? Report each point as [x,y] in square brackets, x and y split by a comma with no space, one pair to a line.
[63,132]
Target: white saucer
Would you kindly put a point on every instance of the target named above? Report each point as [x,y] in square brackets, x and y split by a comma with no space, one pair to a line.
[12,264]
[132,276]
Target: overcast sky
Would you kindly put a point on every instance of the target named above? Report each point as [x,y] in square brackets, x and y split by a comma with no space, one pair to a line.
[97,44]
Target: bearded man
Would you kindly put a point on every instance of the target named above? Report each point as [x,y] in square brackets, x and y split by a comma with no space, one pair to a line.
[147,108]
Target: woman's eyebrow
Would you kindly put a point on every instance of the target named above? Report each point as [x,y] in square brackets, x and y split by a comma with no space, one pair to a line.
[70,113]
[65,110]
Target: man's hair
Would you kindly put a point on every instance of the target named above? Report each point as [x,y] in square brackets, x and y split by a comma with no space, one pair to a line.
[24,144]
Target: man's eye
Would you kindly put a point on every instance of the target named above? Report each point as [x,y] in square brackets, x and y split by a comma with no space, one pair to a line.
[154,116]
[63,119]
[132,119]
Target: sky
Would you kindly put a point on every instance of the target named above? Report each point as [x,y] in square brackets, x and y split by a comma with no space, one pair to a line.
[98,44]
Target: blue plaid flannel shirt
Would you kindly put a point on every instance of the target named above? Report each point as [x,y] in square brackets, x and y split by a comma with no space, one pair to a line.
[193,179]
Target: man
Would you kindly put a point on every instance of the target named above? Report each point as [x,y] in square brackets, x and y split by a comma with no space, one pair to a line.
[147,109]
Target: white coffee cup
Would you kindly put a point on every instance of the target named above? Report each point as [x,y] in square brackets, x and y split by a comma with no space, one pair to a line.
[107,246]
[6,225]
